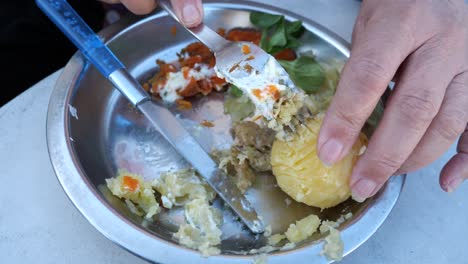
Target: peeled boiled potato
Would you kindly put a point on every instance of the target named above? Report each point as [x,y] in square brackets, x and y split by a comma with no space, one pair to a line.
[302,175]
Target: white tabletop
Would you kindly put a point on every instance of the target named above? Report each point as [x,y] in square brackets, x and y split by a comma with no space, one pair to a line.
[38,224]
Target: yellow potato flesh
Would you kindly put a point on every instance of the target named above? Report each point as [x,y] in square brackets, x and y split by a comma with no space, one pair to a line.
[302,175]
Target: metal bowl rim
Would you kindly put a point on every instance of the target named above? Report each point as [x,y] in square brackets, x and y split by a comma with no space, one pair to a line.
[134,238]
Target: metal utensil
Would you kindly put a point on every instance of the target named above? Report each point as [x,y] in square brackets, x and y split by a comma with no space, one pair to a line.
[73,26]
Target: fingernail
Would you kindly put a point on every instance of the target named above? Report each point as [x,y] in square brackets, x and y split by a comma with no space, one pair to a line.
[330,152]
[363,189]
[453,184]
[190,15]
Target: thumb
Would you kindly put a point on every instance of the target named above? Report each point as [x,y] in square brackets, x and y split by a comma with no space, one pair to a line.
[190,12]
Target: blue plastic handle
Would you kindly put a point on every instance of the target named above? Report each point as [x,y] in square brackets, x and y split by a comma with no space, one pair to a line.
[76,29]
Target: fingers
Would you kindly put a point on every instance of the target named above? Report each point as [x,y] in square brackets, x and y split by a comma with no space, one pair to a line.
[446,127]
[190,12]
[139,7]
[375,57]
[415,102]
[456,170]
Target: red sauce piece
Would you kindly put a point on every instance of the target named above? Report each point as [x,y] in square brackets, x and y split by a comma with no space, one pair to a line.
[286,54]
[244,34]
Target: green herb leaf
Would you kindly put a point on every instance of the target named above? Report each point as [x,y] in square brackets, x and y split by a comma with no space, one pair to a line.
[264,44]
[305,72]
[264,20]
[279,37]
[293,28]
[292,43]
[277,33]
[234,90]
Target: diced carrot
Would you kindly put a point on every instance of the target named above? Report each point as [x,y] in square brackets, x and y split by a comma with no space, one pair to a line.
[245,49]
[257,93]
[183,104]
[165,68]
[185,72]
[206,123]
[173,30]
[130,184]
[197,48]
[273,91]
[191,89]
[205,86]
[191,61]
[251,57]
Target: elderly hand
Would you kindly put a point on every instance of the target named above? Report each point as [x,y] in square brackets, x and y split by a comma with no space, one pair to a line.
[423,46]
[190,12]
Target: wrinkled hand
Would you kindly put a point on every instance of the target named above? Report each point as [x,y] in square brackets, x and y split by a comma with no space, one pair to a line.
[423,46]
[189,11]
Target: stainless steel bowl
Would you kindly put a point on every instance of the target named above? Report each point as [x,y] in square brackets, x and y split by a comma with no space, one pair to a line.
[106,134]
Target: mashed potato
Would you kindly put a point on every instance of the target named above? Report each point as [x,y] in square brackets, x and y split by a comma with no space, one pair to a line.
[203,228]
[179,187]
[138,194]
[303,176]
[302,229]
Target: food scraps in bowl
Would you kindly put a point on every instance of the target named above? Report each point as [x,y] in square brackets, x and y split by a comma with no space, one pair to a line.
[259,145]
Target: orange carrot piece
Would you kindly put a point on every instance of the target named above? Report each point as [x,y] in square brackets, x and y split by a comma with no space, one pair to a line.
[130,183]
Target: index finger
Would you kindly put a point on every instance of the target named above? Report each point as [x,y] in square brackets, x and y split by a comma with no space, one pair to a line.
[375,58]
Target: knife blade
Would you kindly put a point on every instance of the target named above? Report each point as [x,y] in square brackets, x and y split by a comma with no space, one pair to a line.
[172,130]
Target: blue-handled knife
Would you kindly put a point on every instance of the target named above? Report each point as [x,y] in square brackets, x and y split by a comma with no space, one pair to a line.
[95,51]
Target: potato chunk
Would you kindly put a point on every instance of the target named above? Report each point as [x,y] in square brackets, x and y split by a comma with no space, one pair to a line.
[302,175]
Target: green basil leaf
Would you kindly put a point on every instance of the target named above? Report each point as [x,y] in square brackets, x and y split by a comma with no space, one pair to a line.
[234,90]
[264,20]
[292,43]
[305,72]
[264,44]
[293,28]
[279,37]
[274,50]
